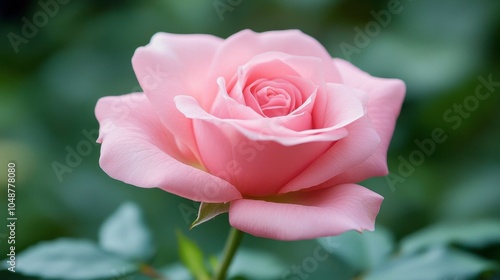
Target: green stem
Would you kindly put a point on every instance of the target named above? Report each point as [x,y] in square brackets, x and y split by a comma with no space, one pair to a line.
[232,242]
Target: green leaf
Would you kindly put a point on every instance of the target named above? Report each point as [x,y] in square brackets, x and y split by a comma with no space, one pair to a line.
[192,257]
[253,264]
[125,234]
[473,234]
[436,263]
[209,211]
[71,259]
[361,251]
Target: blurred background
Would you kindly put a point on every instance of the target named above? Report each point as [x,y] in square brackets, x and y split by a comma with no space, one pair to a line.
[56,62]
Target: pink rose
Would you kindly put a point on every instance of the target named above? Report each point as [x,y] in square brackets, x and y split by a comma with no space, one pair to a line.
[267,122]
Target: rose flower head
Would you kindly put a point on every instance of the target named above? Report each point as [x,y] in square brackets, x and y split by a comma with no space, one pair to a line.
[267,124]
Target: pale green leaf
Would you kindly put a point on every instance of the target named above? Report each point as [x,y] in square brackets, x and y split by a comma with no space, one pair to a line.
[176,271]
[362,251]
[254,264]
[71,259]
[436,263]
[473,234]
[125,234]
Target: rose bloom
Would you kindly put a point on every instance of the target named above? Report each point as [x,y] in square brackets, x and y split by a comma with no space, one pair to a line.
[267,122]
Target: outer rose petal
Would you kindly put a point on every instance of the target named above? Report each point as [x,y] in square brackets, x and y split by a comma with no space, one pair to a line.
[306,215]
[385,97]
[350,151]
[238,49]
[137,149]
[171,65]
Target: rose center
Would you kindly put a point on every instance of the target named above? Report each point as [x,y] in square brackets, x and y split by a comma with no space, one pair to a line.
[272,98]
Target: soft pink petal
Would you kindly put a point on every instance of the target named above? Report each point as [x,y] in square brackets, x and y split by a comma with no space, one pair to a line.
[273,65]
[262,129]
[137,149]
[257,167]
[338,106]
[171,65]
[307,215]
[350,151]
[302,73]
[226,107]
[385,97]
[299,76]
[238,49]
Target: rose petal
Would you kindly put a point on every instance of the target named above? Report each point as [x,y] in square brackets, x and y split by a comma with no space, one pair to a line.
[241,47]
[263,129]
[339,106]
[350,151]
[385,97]
[171,65]
[302,73]
[137,149]
[226,107]
[274,65]
[306,215]
[256,167]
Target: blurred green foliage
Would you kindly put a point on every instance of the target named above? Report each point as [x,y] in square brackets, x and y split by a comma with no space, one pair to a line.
[49,87]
